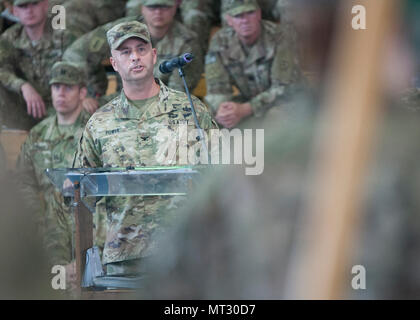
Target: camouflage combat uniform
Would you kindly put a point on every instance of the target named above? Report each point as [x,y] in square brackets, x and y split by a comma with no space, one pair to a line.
[92,48]
[121,135]
[261,73]
[200,16]
[51,145]
[23,61]
[86,15]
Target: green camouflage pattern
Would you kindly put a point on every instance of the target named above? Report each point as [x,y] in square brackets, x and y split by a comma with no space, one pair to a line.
[86,15]
[200,16]
[133,8]
[92,48]
[125,30]
[262,76]
[236,7]
[48,145]
[22,61]
[59,241]
[177,41]
[120,135]
[67,73]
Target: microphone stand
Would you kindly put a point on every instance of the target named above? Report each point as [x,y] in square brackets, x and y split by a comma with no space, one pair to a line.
[201,136]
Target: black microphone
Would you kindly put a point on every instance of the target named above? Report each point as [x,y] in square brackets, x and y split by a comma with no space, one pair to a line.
[178,62]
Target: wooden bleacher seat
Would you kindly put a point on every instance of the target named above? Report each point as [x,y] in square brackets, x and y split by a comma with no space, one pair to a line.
[12,141]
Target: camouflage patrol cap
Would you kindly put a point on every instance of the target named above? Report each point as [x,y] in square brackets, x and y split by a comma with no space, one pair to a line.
[67,73]
[20,2]
[168,3]
[235,7]
[123,31]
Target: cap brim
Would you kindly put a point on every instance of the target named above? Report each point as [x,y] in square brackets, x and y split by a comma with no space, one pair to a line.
[26,2]
[242,9]
[118,43]
[71,83]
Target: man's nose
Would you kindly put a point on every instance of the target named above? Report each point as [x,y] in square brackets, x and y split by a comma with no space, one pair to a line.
[135,55]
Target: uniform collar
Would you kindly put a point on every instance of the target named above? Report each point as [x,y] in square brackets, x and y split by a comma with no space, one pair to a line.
[257,51]
[126,110]
[23,42]
[53,130]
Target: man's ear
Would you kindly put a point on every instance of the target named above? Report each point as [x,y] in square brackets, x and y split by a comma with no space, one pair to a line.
[83,93]
[154,50]
[112,60]
[229,20]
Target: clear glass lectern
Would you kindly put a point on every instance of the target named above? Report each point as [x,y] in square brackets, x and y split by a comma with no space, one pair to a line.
[85,185]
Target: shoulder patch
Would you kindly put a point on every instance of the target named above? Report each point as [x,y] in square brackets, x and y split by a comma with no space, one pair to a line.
[96,44]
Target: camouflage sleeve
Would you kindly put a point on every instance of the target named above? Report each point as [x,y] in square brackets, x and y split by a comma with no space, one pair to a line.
[284,72]
[196,16]
[58,239]
[193,70]
[89,51]
[80,17]
[133,8]
[204,115]
[88,153]
[218,82]
[8,77]
[28,183]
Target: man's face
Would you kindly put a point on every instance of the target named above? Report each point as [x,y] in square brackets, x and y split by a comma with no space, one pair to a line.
[32,14]
[247,24]
[66,98]
[158,16]
[134,60]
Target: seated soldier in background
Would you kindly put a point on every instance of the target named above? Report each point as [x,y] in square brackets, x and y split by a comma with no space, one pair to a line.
[86,15]
[27,53]
[197,15]
[257,57]
[169,37]
[52,144]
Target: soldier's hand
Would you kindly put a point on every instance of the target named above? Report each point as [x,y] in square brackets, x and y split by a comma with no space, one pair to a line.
[230,113]
[34,103]
[90,105]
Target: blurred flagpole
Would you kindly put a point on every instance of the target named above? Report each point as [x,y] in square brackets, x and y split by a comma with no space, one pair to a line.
[319,268]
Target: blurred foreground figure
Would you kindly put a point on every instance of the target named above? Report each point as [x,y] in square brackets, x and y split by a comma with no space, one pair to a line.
[237,238]
[23,269]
